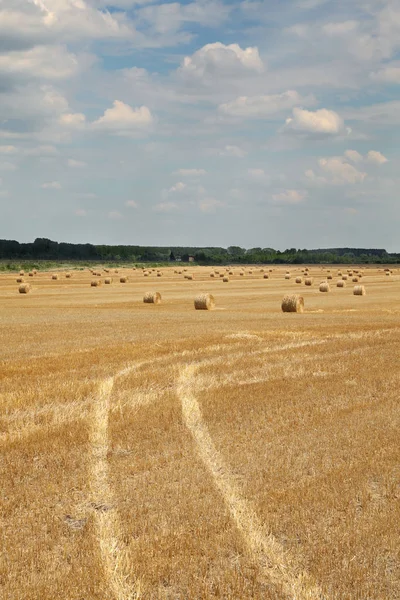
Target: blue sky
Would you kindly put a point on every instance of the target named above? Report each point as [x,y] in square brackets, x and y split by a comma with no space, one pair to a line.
[204,122]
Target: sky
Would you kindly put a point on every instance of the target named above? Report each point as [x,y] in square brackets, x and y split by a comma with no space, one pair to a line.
[270,123]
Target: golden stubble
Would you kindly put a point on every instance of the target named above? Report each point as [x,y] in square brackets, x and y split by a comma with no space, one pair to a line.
[162,452]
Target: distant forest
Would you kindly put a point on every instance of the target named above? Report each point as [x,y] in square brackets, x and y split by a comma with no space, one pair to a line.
[44,249]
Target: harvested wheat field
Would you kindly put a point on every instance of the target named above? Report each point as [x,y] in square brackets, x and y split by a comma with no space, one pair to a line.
[163,452]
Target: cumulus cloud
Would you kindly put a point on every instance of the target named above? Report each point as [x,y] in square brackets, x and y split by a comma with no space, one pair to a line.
[290,196]
[72,119]
[8,150]
[190,172]
[131,204]
[341,172]
[219,60]
[228,150]
[122,119]
[76,164]
[319,122]
[51,185]
[209,204]
[263,106]
[43,62]
[376,157]
[166,207]
[386,75]
[353,155]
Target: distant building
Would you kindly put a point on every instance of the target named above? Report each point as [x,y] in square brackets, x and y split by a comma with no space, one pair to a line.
[191,258]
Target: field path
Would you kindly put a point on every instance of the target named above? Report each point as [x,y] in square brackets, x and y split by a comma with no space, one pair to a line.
[276,563]
[115,561]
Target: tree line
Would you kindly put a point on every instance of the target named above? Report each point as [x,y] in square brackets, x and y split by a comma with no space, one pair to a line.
[45,249]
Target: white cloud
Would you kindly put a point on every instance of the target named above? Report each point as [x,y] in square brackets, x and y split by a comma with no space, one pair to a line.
[386,75]
[178,187]
[220,60]
[7,166]
[353,155]
[44,62]
[43,150]
[340,171]
[190,172]
[114,214]
[263,106]
[123,119]
[256,173]
[321,121]
[8,150]
[229,150]
[51,185]
[166,207]
[76,164]
[209,205]
[290,196]
[72,119]
[131,204]
[376,157]
[80,212]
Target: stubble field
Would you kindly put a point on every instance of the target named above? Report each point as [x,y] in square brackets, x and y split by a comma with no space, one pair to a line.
[162,452]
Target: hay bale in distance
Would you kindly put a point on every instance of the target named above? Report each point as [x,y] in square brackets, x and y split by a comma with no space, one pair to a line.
[54,276]
[152,298]
[204,302]
[359,290]
[329,277]
[190,277]
[225,279]
[341,283]
[22,272]
[123,279]
[108,280]
[95,282]
[308,281]
[287,276]
[293,303]
[241,274]
[20,280]
[345,277]
[24,288]
[212,274]
[298,280]
[30,274]
[355,279]
[324,287]
[68,275]
[159,274]
[265,276]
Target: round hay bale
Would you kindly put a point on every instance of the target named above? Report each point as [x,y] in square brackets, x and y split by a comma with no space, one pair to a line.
[212,274]
[345,277]
[287,276]
[265,276]
[34,271]
[324,287]
[293,303]
[241,274]
[225,279]
[204,302]
[55,276]
[359,290]
[221,274]
[298,280]
[30,274]
[355,279]
[230,273]
[20,280]
[106,270]
[123,279]
[388,273]
[159,274]
[98,274]
[341,283]
[340,273]
[116,271]
[308,281]
[190,277]
[108,280]
[95,282]
[24,288]
[329,277]
[152,298]
[146,274]
[68,275]
[287,272]
[250,272]
[22,272]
